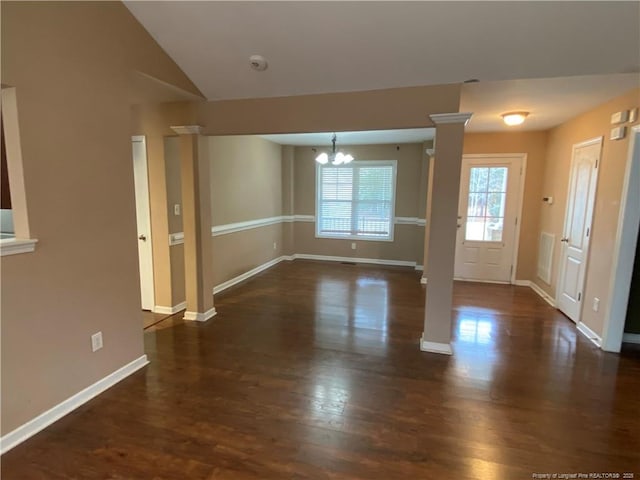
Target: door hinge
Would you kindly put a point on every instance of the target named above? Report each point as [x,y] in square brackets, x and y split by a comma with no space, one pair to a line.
[588,230]
[579,295]
[596,163]
[516,220]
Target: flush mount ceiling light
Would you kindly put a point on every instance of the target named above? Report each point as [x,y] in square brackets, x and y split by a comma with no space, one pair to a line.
[336,158]
[514,118]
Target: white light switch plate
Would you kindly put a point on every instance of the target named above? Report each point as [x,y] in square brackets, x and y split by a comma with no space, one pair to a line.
[96,341]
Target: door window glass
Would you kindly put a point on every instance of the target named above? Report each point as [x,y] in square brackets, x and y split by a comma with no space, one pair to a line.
[486,204]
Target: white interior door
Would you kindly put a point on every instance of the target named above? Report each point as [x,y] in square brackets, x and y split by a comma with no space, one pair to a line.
[487,217]
[143,218]
[583,179]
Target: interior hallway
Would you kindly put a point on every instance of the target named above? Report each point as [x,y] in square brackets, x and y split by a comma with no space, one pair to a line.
[311,370]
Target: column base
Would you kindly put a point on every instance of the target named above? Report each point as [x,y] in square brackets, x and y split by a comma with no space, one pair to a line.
[435,347]
[199,317]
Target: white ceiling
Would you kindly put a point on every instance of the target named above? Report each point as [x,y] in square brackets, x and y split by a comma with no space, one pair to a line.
[317,47]
[550,101]
[370,137]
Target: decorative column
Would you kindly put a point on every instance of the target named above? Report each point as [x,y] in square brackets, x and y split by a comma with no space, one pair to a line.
[440,242]
[196,219]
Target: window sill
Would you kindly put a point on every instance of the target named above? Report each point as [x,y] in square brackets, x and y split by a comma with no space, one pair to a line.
[15,246]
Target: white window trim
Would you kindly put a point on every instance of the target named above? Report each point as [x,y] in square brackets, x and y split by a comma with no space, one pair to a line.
[14,246]
[392,163]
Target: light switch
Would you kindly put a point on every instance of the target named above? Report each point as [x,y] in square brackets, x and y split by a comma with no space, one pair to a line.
[176,209]
[618,133]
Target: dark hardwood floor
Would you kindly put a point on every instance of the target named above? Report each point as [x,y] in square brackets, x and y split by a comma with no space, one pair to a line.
[312,370]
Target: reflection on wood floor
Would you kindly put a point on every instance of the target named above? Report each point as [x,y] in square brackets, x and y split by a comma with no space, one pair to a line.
[312,370]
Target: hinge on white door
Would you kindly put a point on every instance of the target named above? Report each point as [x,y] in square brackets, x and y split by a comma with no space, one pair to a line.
[579,295]
[588,230]
[596,163]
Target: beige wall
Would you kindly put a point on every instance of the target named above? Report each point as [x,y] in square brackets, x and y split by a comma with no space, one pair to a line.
[153,121]
[407,244]
[246,179]
[595,123]
[534,144]
[174,196]
[371,110]
[71,82]
[246,184]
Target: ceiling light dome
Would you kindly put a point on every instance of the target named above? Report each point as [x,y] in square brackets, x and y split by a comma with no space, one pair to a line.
[514,118]
[335,158]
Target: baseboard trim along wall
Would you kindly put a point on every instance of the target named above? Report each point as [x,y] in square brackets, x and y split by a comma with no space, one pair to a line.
[170,310]
[22,433]
[590,334]
[200,317]
[533,286]
[435,347]
[631,337]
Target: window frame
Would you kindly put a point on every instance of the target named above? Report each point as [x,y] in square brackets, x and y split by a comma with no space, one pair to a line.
[358,163]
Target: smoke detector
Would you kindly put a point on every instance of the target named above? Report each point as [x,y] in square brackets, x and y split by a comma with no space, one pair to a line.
[258,62]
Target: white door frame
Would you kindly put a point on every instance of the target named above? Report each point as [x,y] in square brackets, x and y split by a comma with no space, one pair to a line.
[144,186]
[624,248]
[589,221]
[516,238]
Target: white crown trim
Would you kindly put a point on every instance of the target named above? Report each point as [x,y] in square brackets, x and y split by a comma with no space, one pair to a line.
[187,129]
[443,118]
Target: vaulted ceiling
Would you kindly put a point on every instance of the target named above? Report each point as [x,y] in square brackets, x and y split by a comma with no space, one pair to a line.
[320,47]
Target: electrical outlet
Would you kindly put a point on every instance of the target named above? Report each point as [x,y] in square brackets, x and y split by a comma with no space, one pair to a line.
[275,245]
[596,304]
[353,245]
[176,209]
[96,341]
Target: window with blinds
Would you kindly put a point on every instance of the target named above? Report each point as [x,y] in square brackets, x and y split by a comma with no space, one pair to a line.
[356,200]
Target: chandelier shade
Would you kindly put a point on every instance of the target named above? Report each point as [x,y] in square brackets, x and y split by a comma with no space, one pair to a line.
[335,157]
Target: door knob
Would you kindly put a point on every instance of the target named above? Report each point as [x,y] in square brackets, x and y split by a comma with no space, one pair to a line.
[143,238]
[564,239]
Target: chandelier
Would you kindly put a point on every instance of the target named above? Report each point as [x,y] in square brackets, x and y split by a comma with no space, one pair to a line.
[335,158]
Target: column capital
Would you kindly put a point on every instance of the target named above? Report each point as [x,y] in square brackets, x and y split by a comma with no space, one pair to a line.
[187,129]
[459,117]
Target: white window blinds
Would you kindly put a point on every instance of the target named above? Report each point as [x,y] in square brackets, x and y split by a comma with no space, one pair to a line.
[356,200]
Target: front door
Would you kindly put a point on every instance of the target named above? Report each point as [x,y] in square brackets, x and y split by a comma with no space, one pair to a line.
[577,226]
[487,217]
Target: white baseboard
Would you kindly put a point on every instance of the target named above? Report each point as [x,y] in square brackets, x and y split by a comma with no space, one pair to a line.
[435,347]
[170,310]
[631,337]
[23,432]
[533,286]
[423,280]
[200,317]
[375,261]
[244,276]
[590,334]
